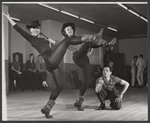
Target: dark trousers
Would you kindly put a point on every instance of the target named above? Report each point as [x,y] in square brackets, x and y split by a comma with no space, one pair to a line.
[105,94]
[15,75]
[41,76]
[19,81]
[31,80]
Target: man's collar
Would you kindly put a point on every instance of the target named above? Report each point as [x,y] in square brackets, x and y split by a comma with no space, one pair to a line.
[108,80]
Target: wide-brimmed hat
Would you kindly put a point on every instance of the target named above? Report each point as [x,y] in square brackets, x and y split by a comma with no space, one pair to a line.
[34,24]
[66,25]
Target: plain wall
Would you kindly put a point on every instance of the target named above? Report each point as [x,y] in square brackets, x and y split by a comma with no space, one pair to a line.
[131,47]
[5,61]
[18,43]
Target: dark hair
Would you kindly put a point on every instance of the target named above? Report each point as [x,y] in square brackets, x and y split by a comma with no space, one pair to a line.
[141,55]
[16,55]
[66,25]
[110,68]
[135,56]
[31,55]
[110,59]
[34,24]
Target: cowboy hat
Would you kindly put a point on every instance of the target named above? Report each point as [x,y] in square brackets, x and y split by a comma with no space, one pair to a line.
[34,24]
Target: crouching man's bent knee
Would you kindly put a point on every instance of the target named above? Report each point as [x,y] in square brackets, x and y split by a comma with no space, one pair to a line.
[105,89]
[116,105]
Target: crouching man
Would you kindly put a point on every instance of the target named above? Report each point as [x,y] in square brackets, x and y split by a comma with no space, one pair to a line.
[105,89]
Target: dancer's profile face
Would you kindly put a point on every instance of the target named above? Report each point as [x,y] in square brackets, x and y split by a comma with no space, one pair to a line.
[35,31]
[69,31]
[106,72]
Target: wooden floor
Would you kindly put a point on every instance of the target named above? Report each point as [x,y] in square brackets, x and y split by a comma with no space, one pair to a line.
[25,106]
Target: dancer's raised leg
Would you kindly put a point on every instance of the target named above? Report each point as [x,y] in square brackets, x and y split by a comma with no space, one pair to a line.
[58,53]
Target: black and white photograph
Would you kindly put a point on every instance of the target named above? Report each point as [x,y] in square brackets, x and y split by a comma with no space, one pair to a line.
[74,61]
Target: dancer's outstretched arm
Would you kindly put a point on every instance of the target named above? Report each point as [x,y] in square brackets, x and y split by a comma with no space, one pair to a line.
[49,39]
[22,32]
[17,28]
[9,18]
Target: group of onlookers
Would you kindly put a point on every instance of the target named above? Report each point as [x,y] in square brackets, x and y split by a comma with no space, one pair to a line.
[35,72]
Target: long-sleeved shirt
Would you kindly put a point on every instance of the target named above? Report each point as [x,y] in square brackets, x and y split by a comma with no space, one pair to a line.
[40,65]
[40,44]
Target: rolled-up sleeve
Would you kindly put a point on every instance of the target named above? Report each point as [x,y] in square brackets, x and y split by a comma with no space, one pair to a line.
[117,80]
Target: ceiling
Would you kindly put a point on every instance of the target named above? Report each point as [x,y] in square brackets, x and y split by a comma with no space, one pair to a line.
[112,15]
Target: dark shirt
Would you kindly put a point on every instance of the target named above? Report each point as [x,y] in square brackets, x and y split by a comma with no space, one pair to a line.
[16,65]
[30,65]
[40,44]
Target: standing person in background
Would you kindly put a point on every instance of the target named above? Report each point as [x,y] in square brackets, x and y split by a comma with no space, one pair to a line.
[41,72]
[140,69]
[16,70]
[133,70]
[31,72]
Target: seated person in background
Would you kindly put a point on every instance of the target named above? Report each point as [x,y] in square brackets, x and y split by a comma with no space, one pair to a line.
[16,69]
[31,72]
[41,72]
[105,89]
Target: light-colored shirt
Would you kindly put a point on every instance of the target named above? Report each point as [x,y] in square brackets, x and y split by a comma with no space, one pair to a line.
[140,63]
[133,64]
[40,65]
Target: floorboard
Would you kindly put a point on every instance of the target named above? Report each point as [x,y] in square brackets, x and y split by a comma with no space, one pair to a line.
[25,106]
